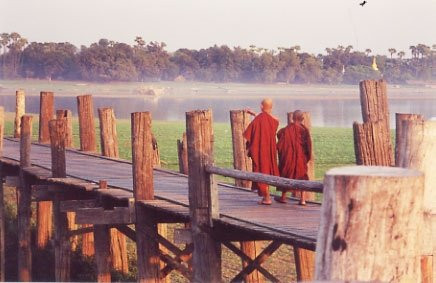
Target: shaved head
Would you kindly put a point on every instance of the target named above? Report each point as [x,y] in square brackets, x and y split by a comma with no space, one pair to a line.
[266,105]
[298,116]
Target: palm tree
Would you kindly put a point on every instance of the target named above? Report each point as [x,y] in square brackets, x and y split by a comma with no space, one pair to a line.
[401,54]
[368,51]
[413,50]
[392,51]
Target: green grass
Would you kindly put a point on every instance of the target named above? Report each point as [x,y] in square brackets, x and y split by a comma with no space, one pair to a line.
[333,147]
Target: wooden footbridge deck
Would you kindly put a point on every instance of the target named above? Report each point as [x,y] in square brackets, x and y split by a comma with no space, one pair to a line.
[290,223]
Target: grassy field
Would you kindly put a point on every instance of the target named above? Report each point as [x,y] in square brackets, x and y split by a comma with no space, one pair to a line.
[333,147]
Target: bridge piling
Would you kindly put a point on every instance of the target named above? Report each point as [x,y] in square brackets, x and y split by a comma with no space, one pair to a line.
[20,110]
[24,203]
[58,131]
[85,110]
[2,201]
[146,226]
[399,118]
[109,148]
[182,153]
[102,247]
[417,150]
[44,208]
[385,203]
[203,197]
[239,121]
[68,116]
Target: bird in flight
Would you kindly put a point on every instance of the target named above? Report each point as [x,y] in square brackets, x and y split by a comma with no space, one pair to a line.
[363,3]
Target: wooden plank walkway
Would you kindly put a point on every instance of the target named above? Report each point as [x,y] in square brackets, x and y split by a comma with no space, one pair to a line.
[237,206]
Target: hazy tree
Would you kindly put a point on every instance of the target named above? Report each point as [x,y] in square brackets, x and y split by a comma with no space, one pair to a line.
[392,51]
[401,54]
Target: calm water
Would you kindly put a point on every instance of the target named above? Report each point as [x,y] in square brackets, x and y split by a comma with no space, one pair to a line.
[329,106]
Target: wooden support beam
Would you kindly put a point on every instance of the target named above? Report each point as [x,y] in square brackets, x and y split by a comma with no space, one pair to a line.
[310,186]
[417,150]
[80,231]
[257,262]
[101,216]
[109,148]
[58,130]
[239,121]
[184,255]
[249,261]
[44,211]
[24,204]
[85,110]
[142,159]
[182,153]
[127,231]
[74,205]
[2,201]
[384,202]
[20,110]
[103,247]
[175,265]
[203,196]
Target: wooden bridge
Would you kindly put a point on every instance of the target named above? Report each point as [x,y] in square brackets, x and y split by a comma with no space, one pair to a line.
[108,196]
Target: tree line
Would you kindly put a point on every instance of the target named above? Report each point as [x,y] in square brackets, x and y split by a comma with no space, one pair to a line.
[108,60]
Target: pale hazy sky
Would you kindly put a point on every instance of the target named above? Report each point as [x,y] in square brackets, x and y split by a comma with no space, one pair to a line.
[312,24]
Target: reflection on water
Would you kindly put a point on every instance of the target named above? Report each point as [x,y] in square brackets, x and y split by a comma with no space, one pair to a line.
[325,112]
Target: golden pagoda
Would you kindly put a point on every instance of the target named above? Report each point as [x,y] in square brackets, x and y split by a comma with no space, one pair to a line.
[374,64]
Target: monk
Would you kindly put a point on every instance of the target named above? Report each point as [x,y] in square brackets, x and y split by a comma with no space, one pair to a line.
[262,148]
[295,150]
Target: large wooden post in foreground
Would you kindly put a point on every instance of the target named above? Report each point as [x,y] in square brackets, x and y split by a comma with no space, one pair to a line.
[305,259]
[417,150]
[85,110]
[182,153]
[58,166]
[203,196]
[239,121]
[2,201]
[146,226]
[44,208]
[24,204]
[109,148]
[370,225]
[372,139]
[20,110]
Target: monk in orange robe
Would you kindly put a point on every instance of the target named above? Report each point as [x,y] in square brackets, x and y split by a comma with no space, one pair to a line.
[262,148]
[295,150]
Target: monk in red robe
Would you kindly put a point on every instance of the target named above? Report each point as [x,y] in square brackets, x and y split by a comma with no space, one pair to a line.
[262,148]
[295,150]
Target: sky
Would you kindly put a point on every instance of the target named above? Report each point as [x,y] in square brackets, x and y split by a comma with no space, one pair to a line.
[312,24]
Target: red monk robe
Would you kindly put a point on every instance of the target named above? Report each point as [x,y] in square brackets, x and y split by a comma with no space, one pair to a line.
[261,144]
[295,149]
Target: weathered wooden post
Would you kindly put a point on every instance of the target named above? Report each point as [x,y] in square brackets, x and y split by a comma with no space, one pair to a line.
[24,203]
[102,247]
[85,110]
[44,208]
[305,259]
[386,204]
[203,196]
[20,110]
[239,121]
[417,150]
[399,118]
[109,148]
[2,201]
[146,226]
[156,154]
[68,116]
[58,131]
[182,153]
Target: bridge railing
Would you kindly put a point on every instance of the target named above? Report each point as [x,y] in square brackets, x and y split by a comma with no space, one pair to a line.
[304,185]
